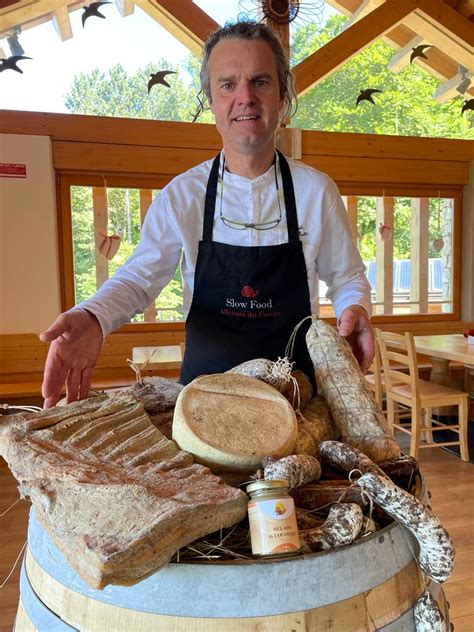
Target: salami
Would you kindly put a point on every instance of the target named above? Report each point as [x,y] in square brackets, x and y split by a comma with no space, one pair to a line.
[297,469]
[339,379]
[437,553]
[342,526]
[427,615]
[347,458]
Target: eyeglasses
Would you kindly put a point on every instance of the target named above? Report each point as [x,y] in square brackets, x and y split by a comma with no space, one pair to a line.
[232,223]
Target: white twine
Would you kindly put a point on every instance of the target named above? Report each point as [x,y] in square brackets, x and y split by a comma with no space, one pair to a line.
[139,367]
[11,507]
[291,342]
[27,409]
[279,372]
[14,565]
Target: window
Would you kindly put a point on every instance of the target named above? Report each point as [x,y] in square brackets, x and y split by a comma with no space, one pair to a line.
[105,224]
[406,242]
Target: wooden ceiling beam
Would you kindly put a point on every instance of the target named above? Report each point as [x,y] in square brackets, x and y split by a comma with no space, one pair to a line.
[62,23]
[25,11]
[125,7]
[364,9]
[184,20]
[462,52]
[350,42]
[439,63]
[444,16]
[447,90]
[401,59]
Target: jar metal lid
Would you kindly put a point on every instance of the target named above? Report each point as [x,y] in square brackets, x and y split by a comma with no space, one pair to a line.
[263,484]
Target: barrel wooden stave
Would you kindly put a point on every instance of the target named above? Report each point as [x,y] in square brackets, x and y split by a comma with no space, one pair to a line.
[367,586]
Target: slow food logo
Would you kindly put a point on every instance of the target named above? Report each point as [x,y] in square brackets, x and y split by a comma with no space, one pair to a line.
[247,305]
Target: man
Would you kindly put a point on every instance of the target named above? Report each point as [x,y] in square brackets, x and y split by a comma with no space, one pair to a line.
[254,233]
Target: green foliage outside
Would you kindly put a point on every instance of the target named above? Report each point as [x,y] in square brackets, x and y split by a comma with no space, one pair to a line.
[405,107]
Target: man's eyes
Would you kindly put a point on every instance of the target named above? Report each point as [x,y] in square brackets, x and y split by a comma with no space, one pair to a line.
[259,83]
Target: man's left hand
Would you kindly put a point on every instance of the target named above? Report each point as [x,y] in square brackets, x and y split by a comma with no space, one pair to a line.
[354,324]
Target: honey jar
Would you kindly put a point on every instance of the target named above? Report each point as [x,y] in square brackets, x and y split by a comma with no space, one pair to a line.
[272,519]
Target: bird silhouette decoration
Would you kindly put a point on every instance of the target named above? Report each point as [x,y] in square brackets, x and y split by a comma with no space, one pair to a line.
[418,51]
[92,9]
[366,95]
[159,77]
[468,105]
[10,63]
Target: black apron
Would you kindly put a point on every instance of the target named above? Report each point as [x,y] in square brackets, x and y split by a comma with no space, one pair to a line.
[247,299]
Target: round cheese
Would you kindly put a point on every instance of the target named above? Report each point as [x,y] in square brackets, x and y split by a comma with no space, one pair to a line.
[229,422]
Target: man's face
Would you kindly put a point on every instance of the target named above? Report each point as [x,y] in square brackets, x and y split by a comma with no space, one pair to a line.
[245,94]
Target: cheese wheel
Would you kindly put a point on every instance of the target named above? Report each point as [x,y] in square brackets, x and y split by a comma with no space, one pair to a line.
[229,422]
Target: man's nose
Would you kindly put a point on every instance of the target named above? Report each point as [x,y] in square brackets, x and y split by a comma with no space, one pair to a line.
[245,93]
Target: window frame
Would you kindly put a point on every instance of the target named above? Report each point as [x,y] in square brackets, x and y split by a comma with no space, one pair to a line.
[64,182]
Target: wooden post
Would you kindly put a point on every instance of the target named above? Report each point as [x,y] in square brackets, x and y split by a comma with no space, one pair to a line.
[350,202]
[99,204]
[281,30]
[384,257]
[419,254]
[145,201]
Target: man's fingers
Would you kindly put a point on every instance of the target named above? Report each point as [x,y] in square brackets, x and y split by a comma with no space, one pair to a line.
[73,385]
[55,374]
[85,383]
[56,330]
[346,324]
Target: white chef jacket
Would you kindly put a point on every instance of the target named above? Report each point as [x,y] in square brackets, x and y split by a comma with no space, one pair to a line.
[174,223]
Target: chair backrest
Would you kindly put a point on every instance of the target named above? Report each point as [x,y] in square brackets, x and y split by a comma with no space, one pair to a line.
[400,349]
[376,369]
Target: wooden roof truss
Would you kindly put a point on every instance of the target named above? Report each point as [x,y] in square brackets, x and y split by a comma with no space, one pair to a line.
[448,25]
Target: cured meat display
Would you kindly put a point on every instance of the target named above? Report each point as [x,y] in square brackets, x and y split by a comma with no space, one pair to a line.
[117,497]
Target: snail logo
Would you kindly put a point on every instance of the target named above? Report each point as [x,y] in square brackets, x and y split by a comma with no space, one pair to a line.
[279,508]
[248,292]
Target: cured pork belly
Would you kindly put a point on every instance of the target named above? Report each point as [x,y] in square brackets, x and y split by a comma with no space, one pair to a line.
[117,497]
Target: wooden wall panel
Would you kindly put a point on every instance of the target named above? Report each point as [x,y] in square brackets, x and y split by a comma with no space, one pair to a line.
[105,158]
[390,170]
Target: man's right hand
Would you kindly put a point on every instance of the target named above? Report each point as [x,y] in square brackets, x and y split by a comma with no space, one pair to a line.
[76,340]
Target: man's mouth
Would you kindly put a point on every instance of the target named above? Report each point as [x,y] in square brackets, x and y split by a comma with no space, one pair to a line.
[247,117]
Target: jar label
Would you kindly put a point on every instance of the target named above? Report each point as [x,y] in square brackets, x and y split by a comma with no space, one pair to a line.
[273,527]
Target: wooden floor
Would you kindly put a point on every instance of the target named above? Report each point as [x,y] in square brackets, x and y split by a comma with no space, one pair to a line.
[450,480]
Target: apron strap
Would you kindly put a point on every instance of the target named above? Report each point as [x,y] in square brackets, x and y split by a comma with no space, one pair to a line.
[210,204]
[288,192]
[290,202]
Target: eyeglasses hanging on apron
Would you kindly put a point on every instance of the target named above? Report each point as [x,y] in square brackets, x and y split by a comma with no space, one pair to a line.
[247,299]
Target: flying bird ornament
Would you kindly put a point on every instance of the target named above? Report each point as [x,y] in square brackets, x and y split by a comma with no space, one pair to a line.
[159,77]
[468,105]
[366,95]
[418,51]
[92,9]
[10,63]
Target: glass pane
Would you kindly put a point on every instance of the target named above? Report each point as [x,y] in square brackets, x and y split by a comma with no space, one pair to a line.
[106,226]
[406,245]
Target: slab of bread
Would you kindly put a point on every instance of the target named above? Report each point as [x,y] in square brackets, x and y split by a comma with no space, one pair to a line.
[117,497]
[229,422]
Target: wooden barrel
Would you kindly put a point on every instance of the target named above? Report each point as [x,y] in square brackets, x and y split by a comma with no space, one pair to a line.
[369,585]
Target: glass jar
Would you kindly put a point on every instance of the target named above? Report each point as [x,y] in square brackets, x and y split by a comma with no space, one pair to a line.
[272,518]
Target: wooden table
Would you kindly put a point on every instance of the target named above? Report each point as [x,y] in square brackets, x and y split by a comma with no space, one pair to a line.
[441,349]
[165,357]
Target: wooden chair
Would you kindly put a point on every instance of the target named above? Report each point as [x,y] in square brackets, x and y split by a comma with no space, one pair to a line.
[376,382]
[419,395]
[374,378]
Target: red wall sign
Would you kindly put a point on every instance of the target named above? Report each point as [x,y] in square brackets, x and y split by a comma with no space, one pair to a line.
[11,170]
